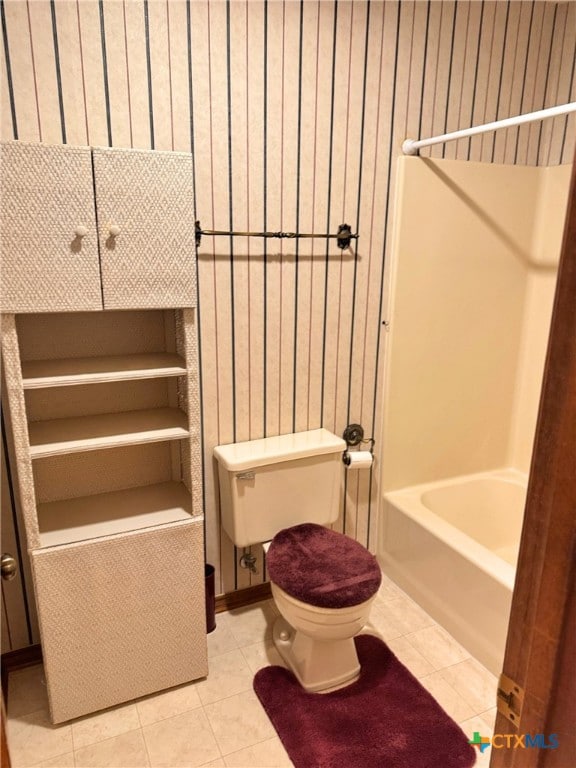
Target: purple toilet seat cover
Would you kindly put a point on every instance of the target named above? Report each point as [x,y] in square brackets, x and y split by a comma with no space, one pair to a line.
[322,567]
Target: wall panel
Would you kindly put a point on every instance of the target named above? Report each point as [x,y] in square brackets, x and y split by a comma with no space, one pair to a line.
[6,114]
[566,92]
[98,117]
[295,112]
[254,190]
[72,81]
[18,48]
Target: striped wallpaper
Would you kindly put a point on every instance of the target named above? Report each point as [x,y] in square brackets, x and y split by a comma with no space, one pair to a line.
[295,112]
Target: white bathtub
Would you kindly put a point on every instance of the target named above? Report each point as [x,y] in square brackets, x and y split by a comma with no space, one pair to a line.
[452,546]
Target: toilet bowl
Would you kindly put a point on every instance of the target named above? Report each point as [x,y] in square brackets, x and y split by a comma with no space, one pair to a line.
[286,490]
[317,644]
[328,583]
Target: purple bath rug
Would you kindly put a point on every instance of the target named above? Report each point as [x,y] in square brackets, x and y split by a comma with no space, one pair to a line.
[386,719]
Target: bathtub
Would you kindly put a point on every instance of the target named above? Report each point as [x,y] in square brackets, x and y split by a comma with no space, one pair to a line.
[452,546]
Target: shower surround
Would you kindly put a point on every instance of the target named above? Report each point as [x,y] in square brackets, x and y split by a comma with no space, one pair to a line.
[471,285]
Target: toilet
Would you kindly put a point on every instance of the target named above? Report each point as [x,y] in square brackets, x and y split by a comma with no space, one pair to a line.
[282,492]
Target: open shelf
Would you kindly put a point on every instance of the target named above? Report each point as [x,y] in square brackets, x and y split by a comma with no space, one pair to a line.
[109,430]
[106,514]
[37,374]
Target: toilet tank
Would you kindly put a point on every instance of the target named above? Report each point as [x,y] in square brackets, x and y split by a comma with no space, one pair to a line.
[276,482]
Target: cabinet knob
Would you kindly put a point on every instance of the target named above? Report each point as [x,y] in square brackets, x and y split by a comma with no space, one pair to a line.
[81,231]
[114,230]
[8,568]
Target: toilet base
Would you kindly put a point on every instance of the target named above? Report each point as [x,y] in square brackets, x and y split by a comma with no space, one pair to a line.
[319,666]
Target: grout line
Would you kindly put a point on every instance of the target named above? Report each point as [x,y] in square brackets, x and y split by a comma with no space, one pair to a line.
[144,738]
[102,741]
[213,732]
[141,729]
[226,698]
[73,745]
[248,746]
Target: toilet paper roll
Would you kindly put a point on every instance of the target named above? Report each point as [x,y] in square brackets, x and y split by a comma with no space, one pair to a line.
[358,459]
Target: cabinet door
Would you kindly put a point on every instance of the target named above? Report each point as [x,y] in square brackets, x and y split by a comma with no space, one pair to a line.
[121,617]
[48,230]
[146,228]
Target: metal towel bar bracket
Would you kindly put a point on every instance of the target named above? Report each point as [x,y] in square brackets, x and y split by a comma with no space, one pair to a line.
[344,235]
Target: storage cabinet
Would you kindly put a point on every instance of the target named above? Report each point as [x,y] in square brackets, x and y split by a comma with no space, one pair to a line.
[104,410]
[137,632]
[86,229]
[48,229]
[146,228]
[108,464]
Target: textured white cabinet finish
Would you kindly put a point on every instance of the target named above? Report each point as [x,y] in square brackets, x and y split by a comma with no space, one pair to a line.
[115,541]
[48,229]
[145,207]
[105,417]
[119,616]
[90,228]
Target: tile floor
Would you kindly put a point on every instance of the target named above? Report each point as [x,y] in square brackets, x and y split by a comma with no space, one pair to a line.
[219,721]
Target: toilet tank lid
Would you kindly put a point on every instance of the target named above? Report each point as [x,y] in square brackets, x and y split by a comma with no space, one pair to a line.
[273,450]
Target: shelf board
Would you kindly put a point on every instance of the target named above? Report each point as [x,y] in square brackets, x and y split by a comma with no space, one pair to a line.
[37,374]
[105,514]
[109,430]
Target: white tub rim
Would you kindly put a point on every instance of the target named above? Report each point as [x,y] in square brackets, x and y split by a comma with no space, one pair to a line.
[409,501]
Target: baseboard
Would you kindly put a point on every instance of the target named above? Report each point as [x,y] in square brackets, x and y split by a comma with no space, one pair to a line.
[13,660]
[243,597]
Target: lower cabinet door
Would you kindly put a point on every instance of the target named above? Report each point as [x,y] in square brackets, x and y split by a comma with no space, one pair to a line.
[121,617]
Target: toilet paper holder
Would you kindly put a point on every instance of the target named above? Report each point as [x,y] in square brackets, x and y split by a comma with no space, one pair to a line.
[353,436]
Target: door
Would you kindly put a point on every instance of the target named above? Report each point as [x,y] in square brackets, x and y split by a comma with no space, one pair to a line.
[19,625]
[4,756]
[541,644]
[48,229]
[145,207]
[121,617]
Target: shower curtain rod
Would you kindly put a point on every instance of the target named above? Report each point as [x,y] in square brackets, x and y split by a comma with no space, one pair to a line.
[411,146]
